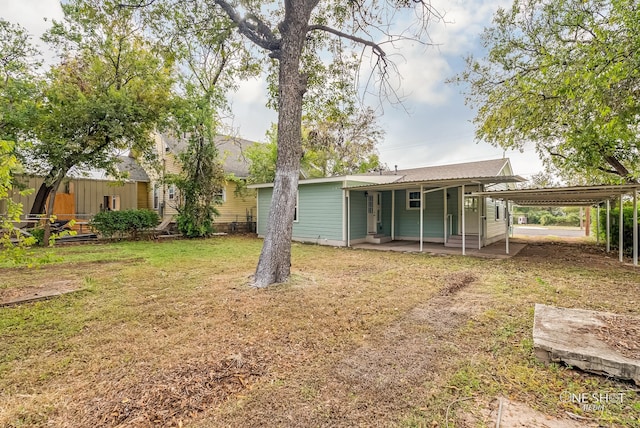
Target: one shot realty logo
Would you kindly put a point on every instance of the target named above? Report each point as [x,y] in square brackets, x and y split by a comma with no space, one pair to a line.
[593,401]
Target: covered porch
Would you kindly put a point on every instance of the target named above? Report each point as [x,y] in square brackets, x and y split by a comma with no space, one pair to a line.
[427,215]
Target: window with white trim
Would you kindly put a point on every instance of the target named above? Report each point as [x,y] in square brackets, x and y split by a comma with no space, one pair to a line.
[413,199]
[156,197]
[172,192]
[221,196]
[295,212]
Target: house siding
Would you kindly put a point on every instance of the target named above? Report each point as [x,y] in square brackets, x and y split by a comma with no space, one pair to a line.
[263,204]
[87,196]
[495,227]
[408,220]
[238,212]
[320,213]
[358,212]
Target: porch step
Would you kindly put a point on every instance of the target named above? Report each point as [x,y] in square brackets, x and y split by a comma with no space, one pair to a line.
[455,241]
[377,238]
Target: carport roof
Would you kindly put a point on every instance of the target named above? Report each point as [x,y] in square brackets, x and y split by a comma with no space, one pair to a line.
[563,196]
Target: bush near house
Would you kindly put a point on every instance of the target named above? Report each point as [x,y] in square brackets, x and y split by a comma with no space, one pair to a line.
[627,230]
[119,224]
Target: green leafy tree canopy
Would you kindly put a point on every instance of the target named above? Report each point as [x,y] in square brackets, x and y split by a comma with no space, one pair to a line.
[564,75]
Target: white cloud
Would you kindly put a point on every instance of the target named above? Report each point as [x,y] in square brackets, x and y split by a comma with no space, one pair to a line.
[251,116]
[31,14]
[422,72]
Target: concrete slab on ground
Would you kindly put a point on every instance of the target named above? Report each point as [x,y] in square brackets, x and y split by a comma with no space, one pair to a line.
[497,250]
[585,339]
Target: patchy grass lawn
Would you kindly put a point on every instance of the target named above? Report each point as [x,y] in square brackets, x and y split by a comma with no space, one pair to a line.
[169,334]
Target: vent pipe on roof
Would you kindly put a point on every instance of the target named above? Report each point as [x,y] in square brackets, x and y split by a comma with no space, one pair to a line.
[396,169]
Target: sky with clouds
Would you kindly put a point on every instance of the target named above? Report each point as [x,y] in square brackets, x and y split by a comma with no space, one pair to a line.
[433,124]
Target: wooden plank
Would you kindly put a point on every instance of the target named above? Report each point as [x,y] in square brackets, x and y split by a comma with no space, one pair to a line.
[43,292]
[588,340]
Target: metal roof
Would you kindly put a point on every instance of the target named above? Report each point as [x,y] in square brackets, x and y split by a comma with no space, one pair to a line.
[563,196]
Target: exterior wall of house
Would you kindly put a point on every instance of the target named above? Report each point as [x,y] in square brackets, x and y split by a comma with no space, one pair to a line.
[408,220]
[320,213]
[385,222]
[263,203]
[84,196]
[496,217]
[159,197]
[453,213]
[237,213]
[358,212]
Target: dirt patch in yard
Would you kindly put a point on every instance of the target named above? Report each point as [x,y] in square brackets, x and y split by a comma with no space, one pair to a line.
[511,414]
[170,397]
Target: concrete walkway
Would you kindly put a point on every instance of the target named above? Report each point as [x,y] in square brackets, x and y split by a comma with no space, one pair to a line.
[493,251]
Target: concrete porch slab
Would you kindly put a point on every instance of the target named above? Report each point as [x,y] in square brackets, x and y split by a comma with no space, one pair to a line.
[493,251]
[588,340]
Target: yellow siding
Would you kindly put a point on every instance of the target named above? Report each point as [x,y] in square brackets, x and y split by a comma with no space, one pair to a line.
[168,165]
[237,208]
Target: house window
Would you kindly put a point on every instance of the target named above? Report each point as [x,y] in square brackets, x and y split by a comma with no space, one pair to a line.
[111,202]
[221,196]
[498,209]
[413,199]
[471,204]
[156,197]
[295,211]
[172,192]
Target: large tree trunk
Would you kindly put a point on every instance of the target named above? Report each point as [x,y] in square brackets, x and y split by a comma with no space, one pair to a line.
[274,265]
[51,182]
[40,202]
[52,199]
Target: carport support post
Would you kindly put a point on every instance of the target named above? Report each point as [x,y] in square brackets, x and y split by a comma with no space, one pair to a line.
[393,215]
[421,214]
[598,223]
[608,225]
[480,224]
[463,222]
[621,233]
[444,196]
[506,227]
[635,227]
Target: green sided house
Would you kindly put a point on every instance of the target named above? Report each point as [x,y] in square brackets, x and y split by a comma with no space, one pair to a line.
[431,204]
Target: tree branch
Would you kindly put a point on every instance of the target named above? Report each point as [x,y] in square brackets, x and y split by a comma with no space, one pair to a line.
[375,47]
[254,28]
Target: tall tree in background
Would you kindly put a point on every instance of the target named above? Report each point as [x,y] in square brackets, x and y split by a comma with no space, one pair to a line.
[341,142]
[18,86]
[334,142]
[210,59]
[565,75]
[106,96]
[18,81]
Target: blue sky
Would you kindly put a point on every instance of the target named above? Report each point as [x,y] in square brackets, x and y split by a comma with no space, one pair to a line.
[433,125]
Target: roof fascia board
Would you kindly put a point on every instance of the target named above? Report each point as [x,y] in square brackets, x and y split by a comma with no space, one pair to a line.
[373,179]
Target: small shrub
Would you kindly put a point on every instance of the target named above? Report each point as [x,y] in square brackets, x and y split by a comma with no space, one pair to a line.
[118,224]
[627,231]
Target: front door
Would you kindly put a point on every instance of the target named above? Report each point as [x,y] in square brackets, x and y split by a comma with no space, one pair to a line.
[471,207]
[373,211]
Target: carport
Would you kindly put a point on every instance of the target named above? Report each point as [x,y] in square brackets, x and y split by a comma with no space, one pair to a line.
[582,196]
